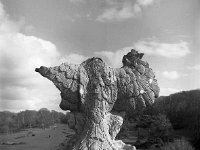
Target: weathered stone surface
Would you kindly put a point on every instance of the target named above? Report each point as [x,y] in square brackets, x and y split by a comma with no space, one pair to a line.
[99,96]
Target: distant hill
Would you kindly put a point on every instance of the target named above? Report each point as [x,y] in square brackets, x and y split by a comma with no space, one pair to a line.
[180,107]
[183,111]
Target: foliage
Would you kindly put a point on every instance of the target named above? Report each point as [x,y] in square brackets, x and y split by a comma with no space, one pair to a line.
[178,145]
[7,121]
[183,110]
[11,122]
[158,129]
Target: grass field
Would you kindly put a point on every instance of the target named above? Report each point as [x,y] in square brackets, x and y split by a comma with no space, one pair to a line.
[35,139]
[41,139]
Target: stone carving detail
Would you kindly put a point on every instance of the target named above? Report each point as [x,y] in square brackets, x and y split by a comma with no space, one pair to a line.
[98,97]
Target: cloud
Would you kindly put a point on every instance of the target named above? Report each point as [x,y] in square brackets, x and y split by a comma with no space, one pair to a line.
[114,59]
[73,58]
[169,50]
[145,2]
[20,86]
[122,11]
[171,75]
[76,1]
[152,47]
[118,14]
[195,67]
[168,91]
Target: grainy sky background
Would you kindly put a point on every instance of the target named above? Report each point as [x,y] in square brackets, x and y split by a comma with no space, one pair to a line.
[48,32]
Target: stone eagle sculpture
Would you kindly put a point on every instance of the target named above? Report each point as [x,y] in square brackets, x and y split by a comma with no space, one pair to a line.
[98,96]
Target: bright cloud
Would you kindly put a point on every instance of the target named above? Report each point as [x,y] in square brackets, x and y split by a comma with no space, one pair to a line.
[114,59]
[145,2]
[73,58]
[116,14]
[171,75]
[169,50]
[175,50]
[122,11]
[168,91]
[195,67]
[21,87]
[76,1]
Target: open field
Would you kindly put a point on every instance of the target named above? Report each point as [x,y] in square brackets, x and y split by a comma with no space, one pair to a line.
[40,139]
[35,139]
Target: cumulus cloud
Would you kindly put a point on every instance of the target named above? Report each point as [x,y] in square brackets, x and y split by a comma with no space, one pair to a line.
[114,59]
[122,11]
[168,91]
[73,58]
[195,67]
[145,2]
[171,75]
[169,50]
[21,87]
[76,1]
[118,14]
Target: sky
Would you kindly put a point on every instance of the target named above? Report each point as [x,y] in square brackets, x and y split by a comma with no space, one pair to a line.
[36,33]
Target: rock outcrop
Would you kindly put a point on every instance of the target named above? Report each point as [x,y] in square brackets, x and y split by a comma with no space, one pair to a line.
[98,97]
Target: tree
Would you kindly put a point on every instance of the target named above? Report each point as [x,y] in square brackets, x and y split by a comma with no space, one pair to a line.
[157,127]
[44,117]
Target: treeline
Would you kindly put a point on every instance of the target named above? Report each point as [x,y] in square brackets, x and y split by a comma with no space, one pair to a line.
[169,119]
[12,122]
[183,111]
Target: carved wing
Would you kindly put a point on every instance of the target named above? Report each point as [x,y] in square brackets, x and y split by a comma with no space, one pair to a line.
[65,78]
[137,84]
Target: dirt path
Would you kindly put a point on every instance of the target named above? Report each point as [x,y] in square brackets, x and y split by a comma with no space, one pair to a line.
[35,139]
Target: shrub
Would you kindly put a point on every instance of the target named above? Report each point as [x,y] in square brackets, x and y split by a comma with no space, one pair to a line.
[156,131]
[158,126]
[180,144]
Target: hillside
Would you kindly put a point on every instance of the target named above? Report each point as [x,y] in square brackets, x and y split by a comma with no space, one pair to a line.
[180,107]
[183,111]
